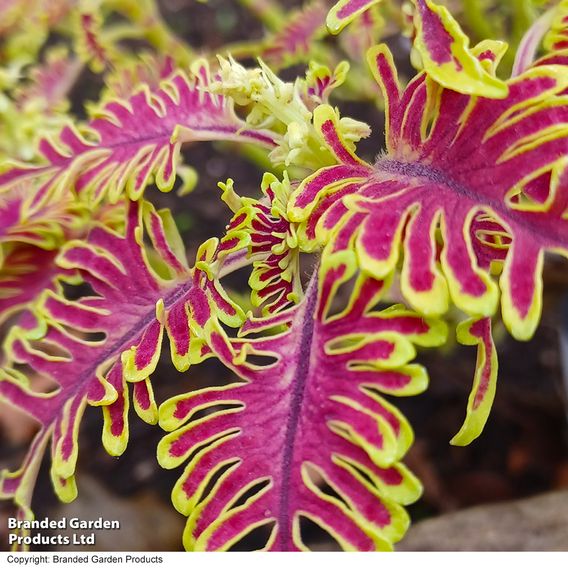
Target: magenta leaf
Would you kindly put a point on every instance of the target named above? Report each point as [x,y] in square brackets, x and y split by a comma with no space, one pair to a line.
[90,42]
[293,41]
[263,227]
[148,69]
[306,432]
[478,332]
[363,33]
[33,231]
[552,30]
[92,347]
[557,37]
[27,272]
[32,217]
[130,142]
[345,11]
[446,56]
[322,81]
[452,161]
[50,82]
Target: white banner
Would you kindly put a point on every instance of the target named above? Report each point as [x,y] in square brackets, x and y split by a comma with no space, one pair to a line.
[281,559]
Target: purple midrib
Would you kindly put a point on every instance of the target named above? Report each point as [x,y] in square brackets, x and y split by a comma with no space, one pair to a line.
[433,175]
[121,343]
[545,233]
[299,382]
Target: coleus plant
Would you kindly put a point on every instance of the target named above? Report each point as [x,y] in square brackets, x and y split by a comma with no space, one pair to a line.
[457,210]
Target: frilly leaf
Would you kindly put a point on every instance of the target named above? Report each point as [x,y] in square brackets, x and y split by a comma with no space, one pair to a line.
[446,57]
[147,68]
[129,142]
[262,451]
[91,45]
[263,227]
[557,37]
[27,272]
[34,101]
[93,346]
[362,34]
[552,29]
[293,41]
[478,332]
[345,11]
[321,81]
[451,159]
[35,218]
[49,82]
